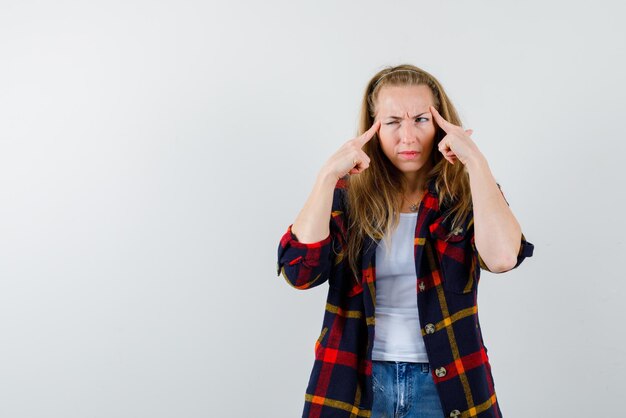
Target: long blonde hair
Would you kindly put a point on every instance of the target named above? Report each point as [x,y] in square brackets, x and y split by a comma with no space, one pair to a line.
[374,197]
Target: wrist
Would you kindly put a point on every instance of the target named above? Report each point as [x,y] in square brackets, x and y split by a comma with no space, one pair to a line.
[327,178]
[476,162]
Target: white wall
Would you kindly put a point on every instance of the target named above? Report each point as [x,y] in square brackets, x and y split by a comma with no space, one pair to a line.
[152,153]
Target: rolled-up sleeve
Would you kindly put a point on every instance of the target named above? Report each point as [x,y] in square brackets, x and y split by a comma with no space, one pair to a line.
[306,265]
[303,265]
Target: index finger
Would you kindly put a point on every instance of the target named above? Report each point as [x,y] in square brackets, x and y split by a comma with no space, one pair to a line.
[369,134]
[444,124]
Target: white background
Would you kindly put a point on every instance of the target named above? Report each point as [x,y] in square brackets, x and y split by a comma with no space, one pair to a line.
[152,154]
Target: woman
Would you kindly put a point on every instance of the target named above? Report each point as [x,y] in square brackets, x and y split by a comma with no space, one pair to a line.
[415,213]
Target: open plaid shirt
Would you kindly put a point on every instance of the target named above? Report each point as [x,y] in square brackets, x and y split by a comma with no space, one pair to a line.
[448,272]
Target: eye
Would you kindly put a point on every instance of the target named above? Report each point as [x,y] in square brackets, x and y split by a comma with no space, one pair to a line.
[416,119]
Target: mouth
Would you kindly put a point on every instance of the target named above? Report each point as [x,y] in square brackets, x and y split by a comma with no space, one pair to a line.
[408,155]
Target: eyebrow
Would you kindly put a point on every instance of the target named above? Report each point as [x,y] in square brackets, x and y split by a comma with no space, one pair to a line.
[398,117]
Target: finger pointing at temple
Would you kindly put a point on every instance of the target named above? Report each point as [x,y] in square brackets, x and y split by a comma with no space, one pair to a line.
[443,124]
[369,134]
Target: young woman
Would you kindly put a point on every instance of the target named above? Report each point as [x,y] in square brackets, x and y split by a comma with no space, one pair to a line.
[400,222]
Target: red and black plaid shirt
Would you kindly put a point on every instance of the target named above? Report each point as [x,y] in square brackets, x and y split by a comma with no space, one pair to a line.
[448,272]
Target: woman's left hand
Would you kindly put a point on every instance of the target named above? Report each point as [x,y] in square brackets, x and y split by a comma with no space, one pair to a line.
[457,143]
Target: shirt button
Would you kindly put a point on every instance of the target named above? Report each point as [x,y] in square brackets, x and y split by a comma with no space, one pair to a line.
[440,372]
[430,328]
[455,413]
[422,286]
[458,231]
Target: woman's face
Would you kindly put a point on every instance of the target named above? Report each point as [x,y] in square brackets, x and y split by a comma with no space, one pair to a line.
[407,131]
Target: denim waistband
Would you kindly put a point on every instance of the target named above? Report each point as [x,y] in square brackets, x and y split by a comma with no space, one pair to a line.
[425,367]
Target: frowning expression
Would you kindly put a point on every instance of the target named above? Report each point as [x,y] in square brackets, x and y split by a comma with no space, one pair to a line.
[407,131]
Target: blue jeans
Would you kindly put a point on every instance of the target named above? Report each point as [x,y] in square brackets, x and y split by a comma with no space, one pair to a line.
[404,390]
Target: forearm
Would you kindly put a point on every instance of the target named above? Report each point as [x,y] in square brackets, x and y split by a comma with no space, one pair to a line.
[497,233]
[312,223]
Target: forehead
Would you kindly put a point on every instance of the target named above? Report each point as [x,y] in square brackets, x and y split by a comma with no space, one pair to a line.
[398,100]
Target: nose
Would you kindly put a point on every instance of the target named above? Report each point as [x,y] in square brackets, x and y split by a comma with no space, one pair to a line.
[407,133]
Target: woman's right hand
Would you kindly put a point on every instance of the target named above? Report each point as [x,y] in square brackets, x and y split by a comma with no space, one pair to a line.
[350,158]
[312,223]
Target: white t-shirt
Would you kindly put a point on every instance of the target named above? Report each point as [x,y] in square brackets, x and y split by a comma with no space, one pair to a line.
[397,334]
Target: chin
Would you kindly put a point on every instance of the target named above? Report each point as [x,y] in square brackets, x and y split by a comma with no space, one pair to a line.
[412,169]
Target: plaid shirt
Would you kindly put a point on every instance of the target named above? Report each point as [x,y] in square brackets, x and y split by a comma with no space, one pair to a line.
[448,272]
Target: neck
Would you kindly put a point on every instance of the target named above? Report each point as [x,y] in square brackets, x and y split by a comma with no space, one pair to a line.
[415,185]
[416,181]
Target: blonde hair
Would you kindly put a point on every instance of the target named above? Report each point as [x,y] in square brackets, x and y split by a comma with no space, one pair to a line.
[374,197]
